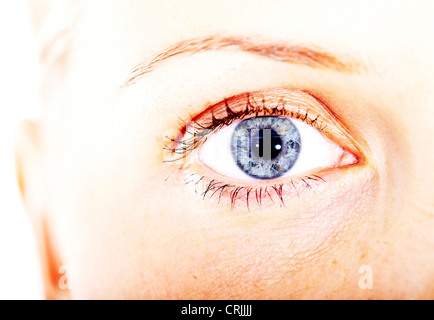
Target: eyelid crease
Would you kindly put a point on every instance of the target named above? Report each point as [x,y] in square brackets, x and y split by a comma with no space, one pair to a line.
[293,103]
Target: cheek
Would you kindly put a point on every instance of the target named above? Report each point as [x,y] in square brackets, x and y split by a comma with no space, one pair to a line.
[127,233]
[260,255]
[105,192]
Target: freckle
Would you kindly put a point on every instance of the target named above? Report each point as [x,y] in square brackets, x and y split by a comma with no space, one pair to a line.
[335,262]
[362,256]
[195,277]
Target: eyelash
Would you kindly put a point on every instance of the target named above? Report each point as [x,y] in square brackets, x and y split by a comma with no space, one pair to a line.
[199,131]
[260,193]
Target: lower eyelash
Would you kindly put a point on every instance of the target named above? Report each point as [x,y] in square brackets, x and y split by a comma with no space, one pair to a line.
[217,189]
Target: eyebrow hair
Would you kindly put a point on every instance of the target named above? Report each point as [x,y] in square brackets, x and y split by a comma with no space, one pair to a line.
[295,54]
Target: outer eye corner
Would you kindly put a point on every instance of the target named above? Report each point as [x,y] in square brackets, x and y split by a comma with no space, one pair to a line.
[354,155]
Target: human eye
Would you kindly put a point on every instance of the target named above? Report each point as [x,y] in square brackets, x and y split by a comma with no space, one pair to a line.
[261,147]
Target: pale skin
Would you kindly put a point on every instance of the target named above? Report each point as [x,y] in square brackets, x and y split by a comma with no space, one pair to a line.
[95,183]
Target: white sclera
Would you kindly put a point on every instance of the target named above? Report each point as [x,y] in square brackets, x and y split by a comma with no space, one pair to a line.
[316,152]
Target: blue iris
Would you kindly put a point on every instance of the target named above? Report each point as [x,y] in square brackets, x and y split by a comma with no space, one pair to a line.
[266,147]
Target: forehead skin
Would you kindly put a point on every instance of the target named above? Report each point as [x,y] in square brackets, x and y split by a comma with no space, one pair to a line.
[107,199]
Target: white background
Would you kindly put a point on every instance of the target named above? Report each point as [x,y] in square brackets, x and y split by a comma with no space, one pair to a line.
[19,266]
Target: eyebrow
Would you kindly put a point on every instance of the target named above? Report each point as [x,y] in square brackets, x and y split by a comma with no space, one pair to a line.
[296,54]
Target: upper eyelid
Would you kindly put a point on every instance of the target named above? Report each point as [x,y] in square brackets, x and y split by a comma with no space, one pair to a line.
[293,100]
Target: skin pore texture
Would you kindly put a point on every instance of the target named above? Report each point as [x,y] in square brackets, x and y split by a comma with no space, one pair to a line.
[106,205]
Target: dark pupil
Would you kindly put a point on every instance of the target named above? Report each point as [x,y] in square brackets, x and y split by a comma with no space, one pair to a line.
[265,143]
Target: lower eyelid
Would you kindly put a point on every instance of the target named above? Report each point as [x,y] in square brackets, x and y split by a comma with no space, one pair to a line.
[256,196]
[253,194]
[261,195]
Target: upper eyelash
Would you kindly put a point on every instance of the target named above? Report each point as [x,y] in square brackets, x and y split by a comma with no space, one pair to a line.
[200,131]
